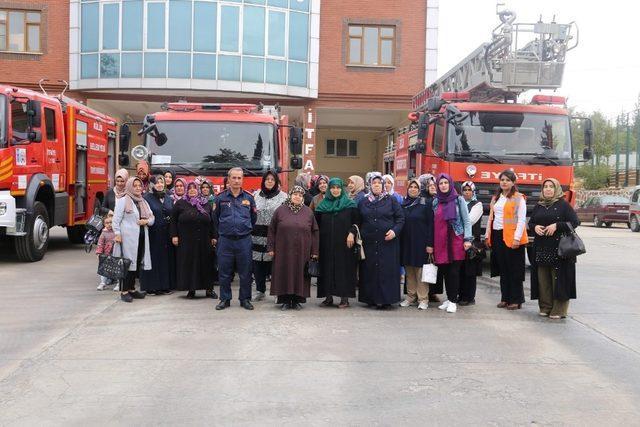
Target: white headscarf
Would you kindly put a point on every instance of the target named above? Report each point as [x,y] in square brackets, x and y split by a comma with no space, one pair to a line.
[393,183]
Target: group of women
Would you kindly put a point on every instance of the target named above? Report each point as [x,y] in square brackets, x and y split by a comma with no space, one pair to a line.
[354,237]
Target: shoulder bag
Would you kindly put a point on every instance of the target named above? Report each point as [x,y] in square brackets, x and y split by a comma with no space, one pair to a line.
[358,250]
[570,245]
[113,267]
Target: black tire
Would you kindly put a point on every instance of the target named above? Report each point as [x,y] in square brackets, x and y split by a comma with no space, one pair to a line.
[76,233]
[33,245]
[608,224]
[597,222]
[634,224]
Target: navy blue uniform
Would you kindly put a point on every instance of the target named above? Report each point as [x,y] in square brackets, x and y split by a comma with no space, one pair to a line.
[235,217]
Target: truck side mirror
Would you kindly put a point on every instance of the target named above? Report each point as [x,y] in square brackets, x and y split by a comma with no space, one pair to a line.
[295,141]
[35,136]
[125,138]
[587,154]
[421,148]
[296,163]
[123,160]
[34,115]
[423,127]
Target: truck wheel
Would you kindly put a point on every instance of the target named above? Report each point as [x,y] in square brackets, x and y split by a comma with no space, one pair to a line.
[33,245]
[634,224]
[597,222]
[608,224]
[76,233]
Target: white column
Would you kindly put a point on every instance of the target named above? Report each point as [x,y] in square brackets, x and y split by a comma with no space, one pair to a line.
[431,44]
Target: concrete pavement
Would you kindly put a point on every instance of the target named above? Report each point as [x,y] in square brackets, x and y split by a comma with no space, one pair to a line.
[71,355]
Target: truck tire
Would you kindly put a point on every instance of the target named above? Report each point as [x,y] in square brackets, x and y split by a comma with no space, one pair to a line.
[33,245]
[76,233]
[596,222]
[634,224]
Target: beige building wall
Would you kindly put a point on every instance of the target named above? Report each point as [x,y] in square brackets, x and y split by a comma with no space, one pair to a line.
[370,148]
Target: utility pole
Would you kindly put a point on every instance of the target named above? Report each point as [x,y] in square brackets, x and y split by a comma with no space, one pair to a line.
[626,154]
[638,147]
[617,149]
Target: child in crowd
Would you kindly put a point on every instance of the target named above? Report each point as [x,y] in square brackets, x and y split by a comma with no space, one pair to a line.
[105,247]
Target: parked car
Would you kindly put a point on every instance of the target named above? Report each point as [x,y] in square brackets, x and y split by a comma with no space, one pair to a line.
[634,210]
[604,210]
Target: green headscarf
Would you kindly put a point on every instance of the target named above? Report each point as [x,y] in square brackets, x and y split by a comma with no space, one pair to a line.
[335,204]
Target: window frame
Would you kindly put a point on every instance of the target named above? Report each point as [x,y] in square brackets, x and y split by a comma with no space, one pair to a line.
[50,123]
[334,143]
[26,25]
[380,39]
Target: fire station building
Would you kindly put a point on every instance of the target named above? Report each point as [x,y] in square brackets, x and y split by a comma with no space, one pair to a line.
[343,70]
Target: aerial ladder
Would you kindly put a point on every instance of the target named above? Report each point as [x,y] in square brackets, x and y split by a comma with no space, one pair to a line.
[520,57]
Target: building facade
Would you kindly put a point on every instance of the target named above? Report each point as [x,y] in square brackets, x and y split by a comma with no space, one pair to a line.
[344,71]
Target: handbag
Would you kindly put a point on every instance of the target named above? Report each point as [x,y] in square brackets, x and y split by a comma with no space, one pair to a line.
[113,267]
[477,251]
[313,268]
[358,249]
[95,223]
[430,271]
[570,245]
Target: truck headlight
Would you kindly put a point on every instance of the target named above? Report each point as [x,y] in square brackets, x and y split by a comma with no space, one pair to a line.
[3,208]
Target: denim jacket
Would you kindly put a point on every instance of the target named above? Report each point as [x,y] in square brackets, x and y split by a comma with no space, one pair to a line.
[461,224]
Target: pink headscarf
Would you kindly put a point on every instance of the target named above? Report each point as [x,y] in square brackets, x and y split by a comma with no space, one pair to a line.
[145,210]
[124,174]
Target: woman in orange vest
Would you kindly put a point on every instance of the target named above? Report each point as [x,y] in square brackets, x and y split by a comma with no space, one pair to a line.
[507,236]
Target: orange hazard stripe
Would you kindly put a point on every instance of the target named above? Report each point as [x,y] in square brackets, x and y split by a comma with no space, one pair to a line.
[6,161]
[6,169]
[6,176]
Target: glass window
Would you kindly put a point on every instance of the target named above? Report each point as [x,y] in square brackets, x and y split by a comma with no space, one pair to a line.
[110,17]
[341,147]
[90,26]
[277,22]
[298,36]
[204,26]
[370,42]
[353,148]
[89,66]
[19,121]
[371,45]
[438,137]
[297,74]
[386,52]
[155,26]
[109,65]
[131,25]
[3,30]
[33,17]
[276,72]
[155,65]
[131,65]
[229,67]
[50,123]
[252,69]
[16,31]
[253,31]
[230,28]
[19,31]
[180,25]
[355,48]
[180,65]
[204,66]
[331,147]
[299,5]
[254,1]
[33,38]
[278,3]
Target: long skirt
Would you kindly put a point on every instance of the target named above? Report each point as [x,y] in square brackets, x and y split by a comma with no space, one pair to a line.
[510,265]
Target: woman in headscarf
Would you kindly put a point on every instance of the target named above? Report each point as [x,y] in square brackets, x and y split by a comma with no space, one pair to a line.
[451,237]
[472,266]
[355,185]
[389,185]
[507,236]
[179,190]
[292,241]
[382,221]
[131,218]
[117,192]
[428,190]
[553,279]
[142,172]
[303,181]
[337,217]
[321,185]
[417,237]
[268,199]
[160,279]
[169,181]
[207,192]
[192,232]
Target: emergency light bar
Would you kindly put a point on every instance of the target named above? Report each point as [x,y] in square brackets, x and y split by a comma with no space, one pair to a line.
[455,96]
[549,99]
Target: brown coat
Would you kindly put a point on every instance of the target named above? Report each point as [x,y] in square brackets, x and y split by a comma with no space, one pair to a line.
[294,238]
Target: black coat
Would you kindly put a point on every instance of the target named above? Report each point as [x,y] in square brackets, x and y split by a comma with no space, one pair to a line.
[338,263]
[561,213]
[417,232]
[380,271]
[195,252]
[161,277]
[109,203]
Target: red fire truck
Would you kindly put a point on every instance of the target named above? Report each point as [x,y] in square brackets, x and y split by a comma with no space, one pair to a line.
[55,159]
[195,139]
[470,124]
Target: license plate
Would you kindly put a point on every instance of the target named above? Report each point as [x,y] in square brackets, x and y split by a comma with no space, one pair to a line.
[622,211]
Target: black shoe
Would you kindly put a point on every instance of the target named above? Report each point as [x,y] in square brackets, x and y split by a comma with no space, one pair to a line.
[296,306]
[191,294]
[211,294]
[126,297]
[464,303]
[138,294]
[246,304]
[285,306]
[223,304]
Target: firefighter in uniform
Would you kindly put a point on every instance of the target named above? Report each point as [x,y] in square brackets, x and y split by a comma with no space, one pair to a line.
[235,213]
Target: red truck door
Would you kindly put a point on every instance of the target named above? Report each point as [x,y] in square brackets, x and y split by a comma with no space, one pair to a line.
[53,141]
[28,156]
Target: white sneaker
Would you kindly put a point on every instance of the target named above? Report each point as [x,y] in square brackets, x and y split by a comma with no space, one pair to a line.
[406,303]
[116,287]
[259,296]
[444,305]
[100,287]
[452,307]
[423,305]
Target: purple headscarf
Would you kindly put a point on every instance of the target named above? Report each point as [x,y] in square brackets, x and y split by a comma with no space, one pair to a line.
[198,201]
[447,200]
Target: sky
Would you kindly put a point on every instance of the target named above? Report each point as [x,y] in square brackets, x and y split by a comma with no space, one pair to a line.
[601,73]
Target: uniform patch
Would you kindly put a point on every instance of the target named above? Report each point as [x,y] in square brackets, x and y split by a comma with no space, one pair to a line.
[246,203]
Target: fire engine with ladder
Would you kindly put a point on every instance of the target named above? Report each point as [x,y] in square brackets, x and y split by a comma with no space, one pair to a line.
[469,123]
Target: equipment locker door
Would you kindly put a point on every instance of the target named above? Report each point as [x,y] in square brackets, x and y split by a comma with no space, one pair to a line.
[53,140]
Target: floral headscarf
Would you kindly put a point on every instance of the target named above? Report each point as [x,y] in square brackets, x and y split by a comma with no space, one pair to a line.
[557,193]
[472,186]
[198,201]
[175,197]
[288,203]
[372,197]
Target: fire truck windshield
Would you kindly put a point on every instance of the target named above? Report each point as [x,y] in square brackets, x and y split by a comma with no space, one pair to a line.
[216,146]
[534,137]
[3,121]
